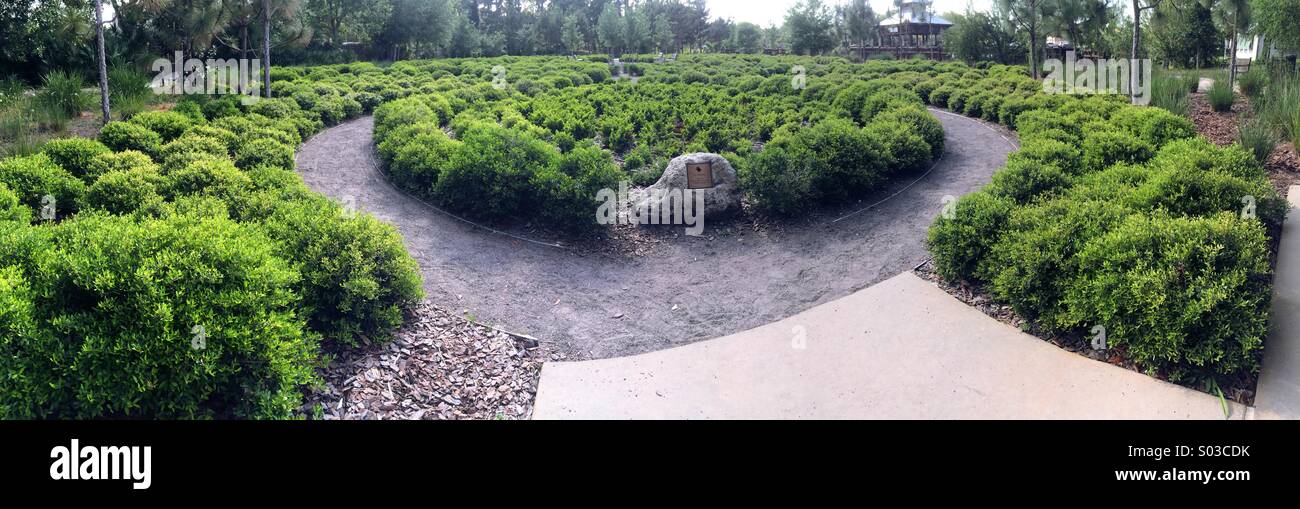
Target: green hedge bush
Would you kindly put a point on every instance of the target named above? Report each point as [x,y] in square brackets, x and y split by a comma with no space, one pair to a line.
[489,175]
[98,309]
[74,154]
[11,209]
[1118,216]
[1033,261]
[119,161]
[33,178]
[357,279]
[1024,180]
[961,243]
[264,152]
[1183,295]
[103,314]
[1103,149]
[168,124]
[124,192]
[122,136]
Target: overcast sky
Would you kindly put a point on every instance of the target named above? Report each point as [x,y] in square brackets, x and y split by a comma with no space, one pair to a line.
[767,12]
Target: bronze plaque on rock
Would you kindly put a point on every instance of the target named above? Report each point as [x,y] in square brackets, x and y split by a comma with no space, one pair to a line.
[699,175]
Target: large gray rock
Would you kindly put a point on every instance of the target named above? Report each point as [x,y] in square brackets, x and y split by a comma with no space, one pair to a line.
[720,199]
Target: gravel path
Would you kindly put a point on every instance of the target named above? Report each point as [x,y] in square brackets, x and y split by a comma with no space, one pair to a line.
[689,289]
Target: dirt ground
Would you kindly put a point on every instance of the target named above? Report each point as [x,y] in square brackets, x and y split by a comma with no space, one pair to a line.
[584,304]
[1222,128]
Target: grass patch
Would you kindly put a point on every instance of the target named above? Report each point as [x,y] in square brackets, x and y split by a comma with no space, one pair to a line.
[1221,96]
[1170,93]
[1258,138]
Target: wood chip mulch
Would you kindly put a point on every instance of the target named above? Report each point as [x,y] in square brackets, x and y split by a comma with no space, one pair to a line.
[1240,390]
[1284,168]
[1222,128]
[439,367]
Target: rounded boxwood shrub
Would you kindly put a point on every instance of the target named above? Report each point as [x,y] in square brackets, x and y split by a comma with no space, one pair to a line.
[1033,261]
[119,161]
[887,99]
[1102,149]
[1115,183]
[226,137]
[276,108]
[1190,191]
[1155,126]
[777,181]
[419,162]
[850,101]
[10,208]
[1198,153]
[489,174]
[921,122]
[903,149]
[107,317]
[206,177]
[1180,295]
[191,147]
[168,124]
[957,100]
[1030,123]
[401,112]
[1062,155]
[440,105]
[961,242]
[1025,180]
[121,136]
[74,154]
[357,279]
[568,190]
[263,152]
[33,178]
[845,160]
[226,106]
[123,192]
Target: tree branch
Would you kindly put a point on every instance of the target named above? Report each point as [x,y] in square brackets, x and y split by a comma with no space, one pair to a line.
[1153,5]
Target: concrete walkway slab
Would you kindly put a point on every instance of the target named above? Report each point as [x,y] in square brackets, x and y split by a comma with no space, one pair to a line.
[1278,394]
[902,349]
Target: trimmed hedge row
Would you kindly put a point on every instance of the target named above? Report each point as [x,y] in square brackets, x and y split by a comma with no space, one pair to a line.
[830,142]
[188,271]
[1115,216]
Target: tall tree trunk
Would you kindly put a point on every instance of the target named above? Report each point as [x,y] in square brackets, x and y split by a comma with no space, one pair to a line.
[1133,50]
[244,82]
[1033,51]
[266,47]
[103,60]
[1232,58]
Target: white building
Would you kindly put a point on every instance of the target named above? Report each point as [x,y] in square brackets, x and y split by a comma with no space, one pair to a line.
[1252,48]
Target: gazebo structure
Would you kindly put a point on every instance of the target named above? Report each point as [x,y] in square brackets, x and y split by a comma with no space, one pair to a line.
[911,32]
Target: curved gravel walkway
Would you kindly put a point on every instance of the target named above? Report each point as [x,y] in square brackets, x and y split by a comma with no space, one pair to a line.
[689,289]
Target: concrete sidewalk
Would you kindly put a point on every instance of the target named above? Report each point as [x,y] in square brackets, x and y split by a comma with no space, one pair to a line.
[902,349]
[1278,394]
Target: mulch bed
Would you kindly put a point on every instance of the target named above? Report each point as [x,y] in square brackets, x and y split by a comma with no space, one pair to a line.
[1241,390]
[439,367]
[1284,168]
[1222,128]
